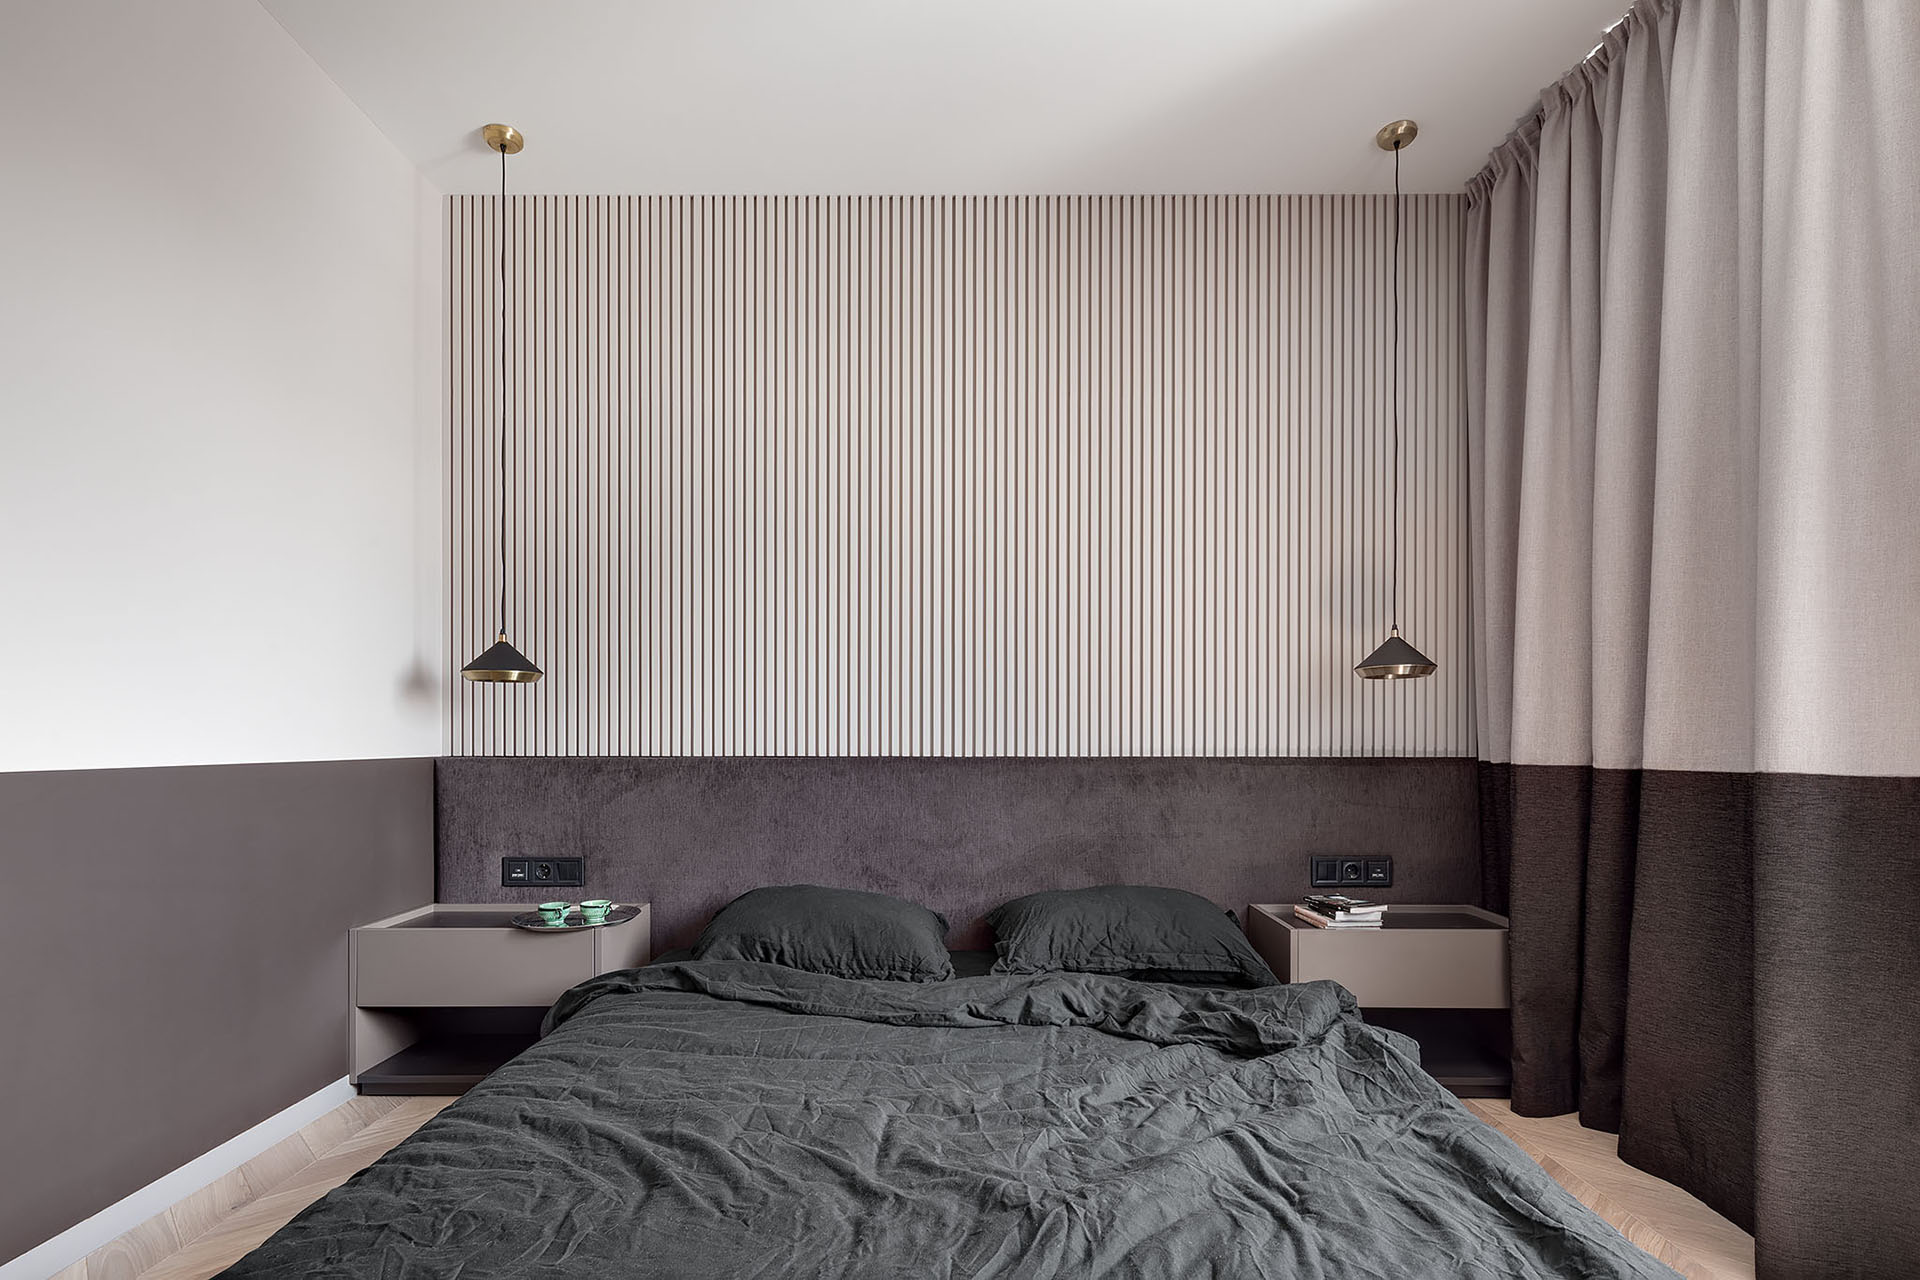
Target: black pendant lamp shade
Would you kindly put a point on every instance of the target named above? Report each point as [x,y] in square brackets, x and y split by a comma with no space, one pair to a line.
[1395,659]
[502,663]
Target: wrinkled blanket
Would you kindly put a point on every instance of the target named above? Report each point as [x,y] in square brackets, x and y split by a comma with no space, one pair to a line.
[733,1119]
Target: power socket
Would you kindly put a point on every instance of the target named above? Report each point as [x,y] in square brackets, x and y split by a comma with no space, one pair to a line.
[553,873]
[1344,872]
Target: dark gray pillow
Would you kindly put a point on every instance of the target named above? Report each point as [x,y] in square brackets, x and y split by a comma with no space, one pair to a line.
[1130,930]
[843,932]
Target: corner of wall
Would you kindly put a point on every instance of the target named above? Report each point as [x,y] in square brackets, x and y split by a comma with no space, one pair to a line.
[432,545]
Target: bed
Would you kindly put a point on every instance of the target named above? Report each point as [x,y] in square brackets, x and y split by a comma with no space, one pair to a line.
[734,1117]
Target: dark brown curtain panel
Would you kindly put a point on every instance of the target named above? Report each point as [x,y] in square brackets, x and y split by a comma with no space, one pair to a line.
[1693,292]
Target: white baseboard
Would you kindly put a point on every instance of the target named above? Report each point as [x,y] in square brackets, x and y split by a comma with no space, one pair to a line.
[114,1221]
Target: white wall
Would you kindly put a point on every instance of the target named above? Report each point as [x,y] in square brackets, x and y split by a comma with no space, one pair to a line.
[220,447]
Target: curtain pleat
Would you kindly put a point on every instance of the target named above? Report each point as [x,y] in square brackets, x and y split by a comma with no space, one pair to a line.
[1693,296]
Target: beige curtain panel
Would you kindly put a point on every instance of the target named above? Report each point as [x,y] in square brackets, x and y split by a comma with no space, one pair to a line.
[1693,332]
[1693,284]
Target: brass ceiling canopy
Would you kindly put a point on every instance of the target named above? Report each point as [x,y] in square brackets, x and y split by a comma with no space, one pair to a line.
[1395,136]
[503,138]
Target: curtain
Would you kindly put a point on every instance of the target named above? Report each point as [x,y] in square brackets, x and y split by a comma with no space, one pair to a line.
[1693,295]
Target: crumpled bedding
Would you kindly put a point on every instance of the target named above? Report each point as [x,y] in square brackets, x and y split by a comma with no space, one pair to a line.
[735,1119]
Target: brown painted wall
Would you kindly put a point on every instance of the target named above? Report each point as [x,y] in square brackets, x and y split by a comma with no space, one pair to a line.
[175,959]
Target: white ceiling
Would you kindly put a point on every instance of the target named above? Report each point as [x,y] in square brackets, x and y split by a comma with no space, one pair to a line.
[945,96]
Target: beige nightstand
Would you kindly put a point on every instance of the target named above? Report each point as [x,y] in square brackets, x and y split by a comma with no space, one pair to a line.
[443,994]
[1437,973]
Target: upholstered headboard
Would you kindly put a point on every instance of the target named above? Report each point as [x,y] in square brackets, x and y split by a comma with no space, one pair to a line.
[959,835]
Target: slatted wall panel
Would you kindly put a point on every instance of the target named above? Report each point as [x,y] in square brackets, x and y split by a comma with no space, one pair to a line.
[956,476]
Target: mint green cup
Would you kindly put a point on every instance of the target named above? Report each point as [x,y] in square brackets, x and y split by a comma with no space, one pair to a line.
[554,912]
[594,910]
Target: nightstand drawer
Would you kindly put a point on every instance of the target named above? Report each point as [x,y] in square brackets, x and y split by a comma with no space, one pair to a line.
[1415,969]
[399,968]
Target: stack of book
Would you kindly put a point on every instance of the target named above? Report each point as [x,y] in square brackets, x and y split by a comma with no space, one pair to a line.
[1337,911]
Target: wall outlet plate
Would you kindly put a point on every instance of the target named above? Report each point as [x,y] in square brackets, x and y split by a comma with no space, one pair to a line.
[1373,871]
[547,873]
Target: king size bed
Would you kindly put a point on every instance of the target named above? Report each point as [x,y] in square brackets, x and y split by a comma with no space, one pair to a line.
[1151,1113]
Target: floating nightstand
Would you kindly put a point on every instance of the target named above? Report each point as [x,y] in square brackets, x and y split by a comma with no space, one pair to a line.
[1436,973]
[443,994]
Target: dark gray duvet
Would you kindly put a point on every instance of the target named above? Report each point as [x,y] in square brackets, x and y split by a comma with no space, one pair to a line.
[739,1119]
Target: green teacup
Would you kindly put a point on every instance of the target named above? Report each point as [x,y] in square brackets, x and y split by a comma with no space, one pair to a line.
[554,912]
[594,910]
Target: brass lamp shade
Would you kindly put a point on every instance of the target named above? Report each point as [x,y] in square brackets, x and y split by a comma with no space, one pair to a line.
[502,664]
[1395,660]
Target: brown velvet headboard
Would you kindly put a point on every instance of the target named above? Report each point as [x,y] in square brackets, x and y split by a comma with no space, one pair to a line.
[958,835]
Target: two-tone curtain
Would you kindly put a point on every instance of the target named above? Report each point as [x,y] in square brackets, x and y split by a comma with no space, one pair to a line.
[1694,371]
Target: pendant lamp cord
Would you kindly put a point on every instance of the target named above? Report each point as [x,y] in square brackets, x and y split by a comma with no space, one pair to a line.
[1396,390]
[504,392]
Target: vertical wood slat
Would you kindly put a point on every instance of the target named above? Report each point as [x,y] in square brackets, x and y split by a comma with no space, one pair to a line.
[957,476]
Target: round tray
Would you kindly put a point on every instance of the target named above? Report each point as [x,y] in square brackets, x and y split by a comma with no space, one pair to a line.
[532,923]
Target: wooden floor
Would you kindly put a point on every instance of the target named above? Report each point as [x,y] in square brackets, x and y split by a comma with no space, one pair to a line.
[212,1228]
[1658,1216]
[215,1226]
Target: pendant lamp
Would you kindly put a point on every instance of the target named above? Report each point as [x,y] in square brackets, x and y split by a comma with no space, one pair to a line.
[1395,659]
[502,663]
